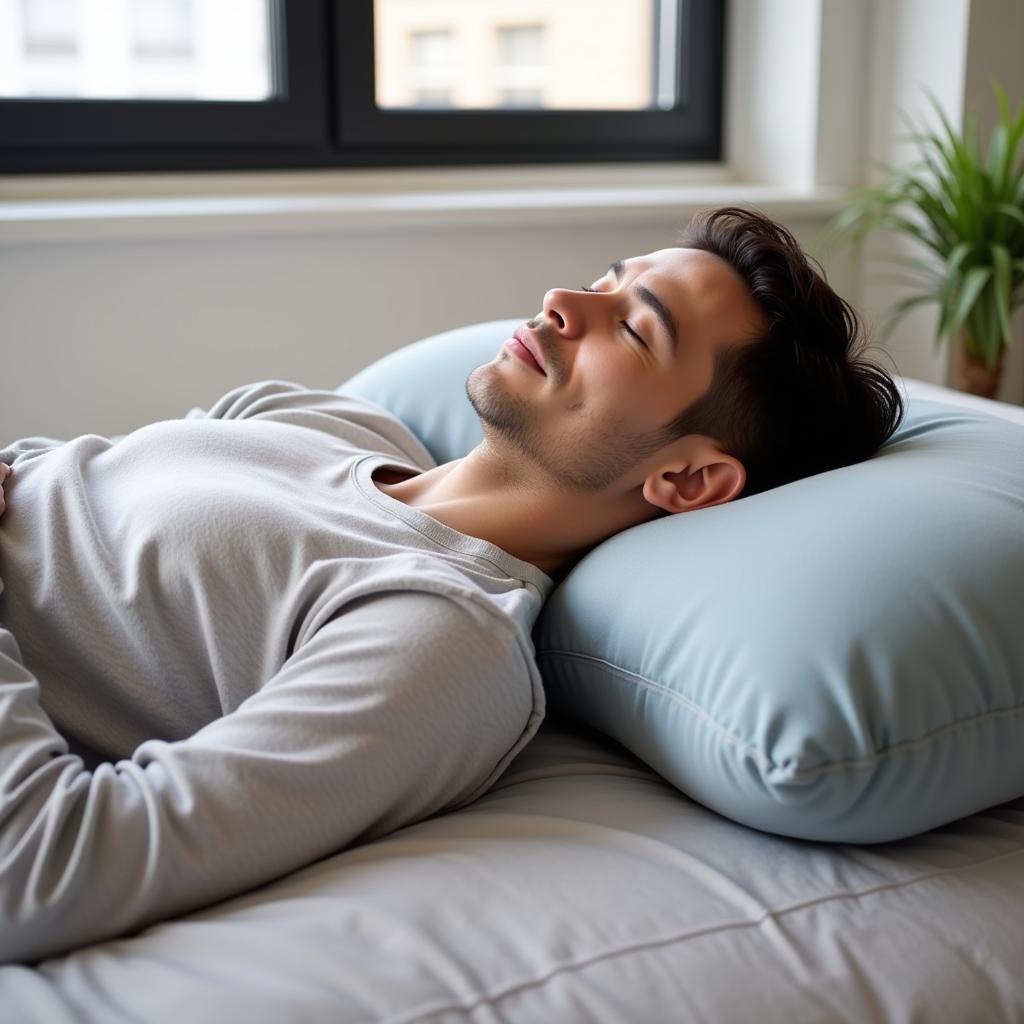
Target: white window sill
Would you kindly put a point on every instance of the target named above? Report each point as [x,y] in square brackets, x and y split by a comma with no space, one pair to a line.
[92,208]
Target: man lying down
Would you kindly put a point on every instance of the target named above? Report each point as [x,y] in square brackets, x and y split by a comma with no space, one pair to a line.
[238,642]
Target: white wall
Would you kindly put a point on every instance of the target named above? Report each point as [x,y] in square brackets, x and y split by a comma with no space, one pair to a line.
[916,45]
[950,48]
[107,328]
[103,337]
[995,48]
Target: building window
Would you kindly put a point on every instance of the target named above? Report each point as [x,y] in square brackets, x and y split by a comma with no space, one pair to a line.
[50,27]
[280,84]
[430,68]
[521,68]
[164,28]
[137,49]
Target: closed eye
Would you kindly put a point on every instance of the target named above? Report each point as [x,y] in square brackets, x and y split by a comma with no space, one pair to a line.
[629,330]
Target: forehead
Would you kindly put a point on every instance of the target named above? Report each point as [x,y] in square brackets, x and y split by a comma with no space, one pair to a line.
[703,290]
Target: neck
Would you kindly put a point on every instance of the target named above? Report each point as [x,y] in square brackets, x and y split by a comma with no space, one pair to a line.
[529,517]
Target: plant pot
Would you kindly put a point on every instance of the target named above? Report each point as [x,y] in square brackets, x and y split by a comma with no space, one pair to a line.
[970,373]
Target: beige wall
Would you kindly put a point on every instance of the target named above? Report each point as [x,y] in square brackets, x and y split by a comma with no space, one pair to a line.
[146,328]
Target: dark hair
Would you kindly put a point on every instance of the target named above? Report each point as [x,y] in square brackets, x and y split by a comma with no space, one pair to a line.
[800,399]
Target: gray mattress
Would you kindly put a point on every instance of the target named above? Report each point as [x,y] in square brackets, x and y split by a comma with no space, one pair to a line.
[583,888]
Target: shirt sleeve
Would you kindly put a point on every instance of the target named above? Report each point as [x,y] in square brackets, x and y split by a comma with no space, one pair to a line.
[406,704]
[375,427]
[236,404]
[10,452]
[368,425]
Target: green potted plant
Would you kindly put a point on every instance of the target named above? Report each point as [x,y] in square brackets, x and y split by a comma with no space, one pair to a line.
[969,213]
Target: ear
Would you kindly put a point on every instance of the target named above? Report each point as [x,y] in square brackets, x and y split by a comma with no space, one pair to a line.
[712,480]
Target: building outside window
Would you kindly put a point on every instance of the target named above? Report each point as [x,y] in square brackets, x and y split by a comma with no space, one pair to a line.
[162,28]
[49,27]
[134,49]
[497,54]
[521,70]
[429,69]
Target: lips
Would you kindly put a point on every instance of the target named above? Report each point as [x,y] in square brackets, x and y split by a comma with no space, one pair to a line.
[531,346]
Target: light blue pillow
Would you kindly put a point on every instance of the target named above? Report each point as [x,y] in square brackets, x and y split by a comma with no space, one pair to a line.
[838,659]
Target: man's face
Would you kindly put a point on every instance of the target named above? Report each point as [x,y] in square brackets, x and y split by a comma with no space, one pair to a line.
[594,412]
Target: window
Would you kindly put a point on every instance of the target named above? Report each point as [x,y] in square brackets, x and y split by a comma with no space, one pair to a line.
[430,68]
[49,26]
[130,85]
[144,48]
[521,66]
[166,28]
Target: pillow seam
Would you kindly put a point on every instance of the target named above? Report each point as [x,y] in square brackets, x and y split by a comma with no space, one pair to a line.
[759,755]
[690,705]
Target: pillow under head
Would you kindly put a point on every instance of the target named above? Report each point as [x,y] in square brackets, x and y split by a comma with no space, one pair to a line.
[840,658]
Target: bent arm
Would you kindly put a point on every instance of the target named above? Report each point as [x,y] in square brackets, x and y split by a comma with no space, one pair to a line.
[406,704]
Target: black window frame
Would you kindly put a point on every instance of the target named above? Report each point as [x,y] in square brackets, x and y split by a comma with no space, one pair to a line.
[326,117]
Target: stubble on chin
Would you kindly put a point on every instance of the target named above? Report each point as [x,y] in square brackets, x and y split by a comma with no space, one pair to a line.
[581,459]
[496,407]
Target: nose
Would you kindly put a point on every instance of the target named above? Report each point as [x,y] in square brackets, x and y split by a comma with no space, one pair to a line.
[563,309]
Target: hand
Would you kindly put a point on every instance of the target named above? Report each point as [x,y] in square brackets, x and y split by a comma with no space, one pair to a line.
[5,472]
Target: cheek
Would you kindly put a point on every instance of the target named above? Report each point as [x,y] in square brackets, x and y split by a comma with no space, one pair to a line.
[617,369]
[610,387]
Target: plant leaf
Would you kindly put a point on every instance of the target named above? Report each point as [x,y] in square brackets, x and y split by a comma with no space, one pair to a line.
[949,290]
[966,209]
[1001,263]
[957,256]
[927,266]
[963,301]
[997,151]
[990,337]
[1014,130]
[983,334]
[900,310]
[948,300]
[1010,211]
[976,279]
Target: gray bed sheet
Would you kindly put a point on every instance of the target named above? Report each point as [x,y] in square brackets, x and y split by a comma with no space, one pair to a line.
[583,888]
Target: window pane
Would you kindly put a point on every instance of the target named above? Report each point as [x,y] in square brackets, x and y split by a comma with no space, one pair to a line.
[554,54]
[50,26]
[430,68]
[135,49]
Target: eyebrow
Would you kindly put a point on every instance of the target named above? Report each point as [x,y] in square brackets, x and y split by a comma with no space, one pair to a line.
[645,295]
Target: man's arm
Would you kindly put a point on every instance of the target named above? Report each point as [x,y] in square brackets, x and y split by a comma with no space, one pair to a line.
[408,703]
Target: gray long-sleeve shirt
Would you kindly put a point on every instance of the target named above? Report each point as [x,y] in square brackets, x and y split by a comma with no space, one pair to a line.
[225,654]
